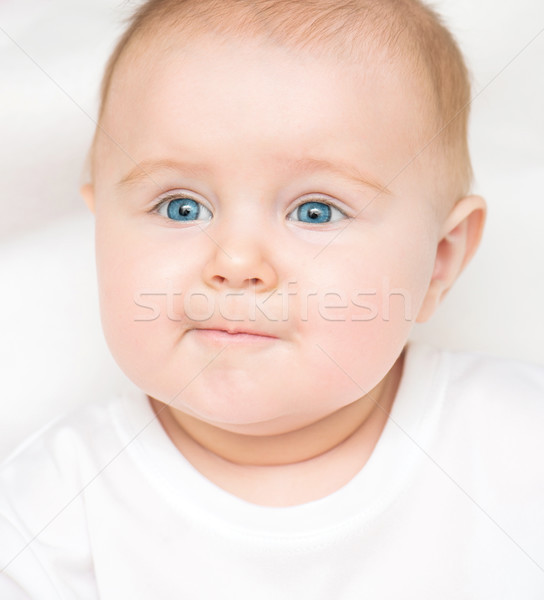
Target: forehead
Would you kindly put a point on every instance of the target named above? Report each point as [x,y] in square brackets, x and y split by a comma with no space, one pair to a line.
[211,93]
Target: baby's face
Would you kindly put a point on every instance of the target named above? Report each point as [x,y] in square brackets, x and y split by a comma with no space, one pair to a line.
[251,272]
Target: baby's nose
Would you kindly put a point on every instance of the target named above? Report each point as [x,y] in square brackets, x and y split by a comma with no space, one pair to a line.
[239,262]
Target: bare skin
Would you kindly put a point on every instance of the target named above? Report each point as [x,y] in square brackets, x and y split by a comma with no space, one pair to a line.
[269,408]
[292,468]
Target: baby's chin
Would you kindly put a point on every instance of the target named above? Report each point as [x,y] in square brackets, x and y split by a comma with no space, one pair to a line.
[257,408]
[246,416]
[266,414]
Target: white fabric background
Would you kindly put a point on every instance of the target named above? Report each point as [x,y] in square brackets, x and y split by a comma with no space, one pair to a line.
[52,354]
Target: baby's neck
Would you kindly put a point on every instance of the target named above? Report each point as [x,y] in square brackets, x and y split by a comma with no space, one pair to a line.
[292,468]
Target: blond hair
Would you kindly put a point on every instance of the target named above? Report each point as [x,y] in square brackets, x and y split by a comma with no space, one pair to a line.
[349,29]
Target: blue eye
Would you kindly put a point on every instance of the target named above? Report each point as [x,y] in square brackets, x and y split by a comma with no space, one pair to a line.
[184,209]
[316,212]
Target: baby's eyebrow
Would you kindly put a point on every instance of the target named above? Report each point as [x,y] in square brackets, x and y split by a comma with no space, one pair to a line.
[145,170]
[344,170]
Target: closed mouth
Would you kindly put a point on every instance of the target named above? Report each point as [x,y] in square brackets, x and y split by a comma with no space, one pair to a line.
[233,335]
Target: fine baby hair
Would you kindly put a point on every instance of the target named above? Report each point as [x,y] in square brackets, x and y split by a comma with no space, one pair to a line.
[408,31]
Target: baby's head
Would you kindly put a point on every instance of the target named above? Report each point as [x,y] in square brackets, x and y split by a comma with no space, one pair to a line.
[280,192]
[404,36]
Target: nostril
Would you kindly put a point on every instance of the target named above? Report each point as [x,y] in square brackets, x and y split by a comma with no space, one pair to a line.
[252,282]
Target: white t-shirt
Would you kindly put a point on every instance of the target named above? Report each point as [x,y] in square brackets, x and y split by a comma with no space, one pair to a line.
[450,505]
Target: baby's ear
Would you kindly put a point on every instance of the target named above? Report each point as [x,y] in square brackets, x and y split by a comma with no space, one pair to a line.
[87,193]
[460,236]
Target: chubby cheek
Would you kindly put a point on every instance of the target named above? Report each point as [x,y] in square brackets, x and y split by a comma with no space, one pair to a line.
[135,288]
[363,317]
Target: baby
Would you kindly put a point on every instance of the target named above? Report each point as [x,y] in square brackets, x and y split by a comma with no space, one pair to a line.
[281,190]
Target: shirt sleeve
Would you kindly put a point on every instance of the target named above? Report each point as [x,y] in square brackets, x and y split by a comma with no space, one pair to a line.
[45,552]
[22,576]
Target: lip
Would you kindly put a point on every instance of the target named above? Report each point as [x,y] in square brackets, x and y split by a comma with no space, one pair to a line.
[237,336]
